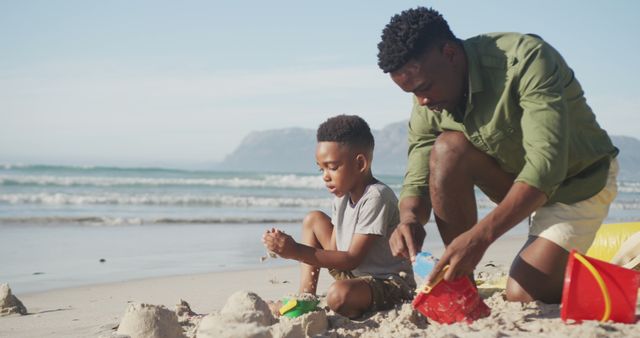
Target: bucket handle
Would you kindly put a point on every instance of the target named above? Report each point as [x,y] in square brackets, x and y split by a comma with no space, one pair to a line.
[600,281]
[428,287]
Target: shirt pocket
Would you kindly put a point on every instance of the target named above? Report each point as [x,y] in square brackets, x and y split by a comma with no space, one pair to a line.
[505,145]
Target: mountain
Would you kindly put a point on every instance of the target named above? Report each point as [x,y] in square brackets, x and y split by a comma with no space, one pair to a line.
[278,150]
[629,157]
[292,150]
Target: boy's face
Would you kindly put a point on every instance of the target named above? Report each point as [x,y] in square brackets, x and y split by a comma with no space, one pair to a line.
[339,167]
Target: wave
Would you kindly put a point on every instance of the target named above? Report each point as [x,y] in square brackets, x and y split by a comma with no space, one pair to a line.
[117,221]
[166,200]
[211,200]
[628,187]
[626,205]
[50,168]
[264,181]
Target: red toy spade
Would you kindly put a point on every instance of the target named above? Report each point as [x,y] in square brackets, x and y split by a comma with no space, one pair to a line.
[450,302]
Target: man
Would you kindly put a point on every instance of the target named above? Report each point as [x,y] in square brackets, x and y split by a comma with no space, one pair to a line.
[505,113]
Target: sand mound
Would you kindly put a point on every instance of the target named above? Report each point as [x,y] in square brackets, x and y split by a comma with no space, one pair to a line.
[247,307]
[309,325]
[246,315]
[149,321]
[221,326]
[10,304]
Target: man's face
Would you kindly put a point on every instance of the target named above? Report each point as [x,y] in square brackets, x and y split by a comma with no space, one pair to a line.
[338,166]
[432,79]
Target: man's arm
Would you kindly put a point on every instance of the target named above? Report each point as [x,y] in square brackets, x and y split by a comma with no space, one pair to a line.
[465,251]
[408,237]
[415,204]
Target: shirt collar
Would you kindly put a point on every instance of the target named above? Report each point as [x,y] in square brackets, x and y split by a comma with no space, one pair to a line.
[473,69]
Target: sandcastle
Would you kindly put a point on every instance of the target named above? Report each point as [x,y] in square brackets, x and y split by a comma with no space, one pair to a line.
[10,304]
[149,321]
[245,314]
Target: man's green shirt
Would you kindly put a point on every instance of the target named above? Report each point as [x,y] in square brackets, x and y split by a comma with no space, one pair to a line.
[526,109]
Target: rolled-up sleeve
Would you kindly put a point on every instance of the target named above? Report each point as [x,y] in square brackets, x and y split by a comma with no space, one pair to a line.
[422,136]
[544,119]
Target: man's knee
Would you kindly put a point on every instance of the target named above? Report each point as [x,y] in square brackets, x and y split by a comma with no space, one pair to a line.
[515,293]
[537,272]
[450,145]
[449,156]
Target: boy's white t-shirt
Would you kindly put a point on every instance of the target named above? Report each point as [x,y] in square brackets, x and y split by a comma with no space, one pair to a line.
[376,213]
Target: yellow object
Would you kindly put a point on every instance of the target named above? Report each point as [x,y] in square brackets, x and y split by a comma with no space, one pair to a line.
[497,282]
[609,239]
[427,287]
[600,281]
[288,306]
[629,254]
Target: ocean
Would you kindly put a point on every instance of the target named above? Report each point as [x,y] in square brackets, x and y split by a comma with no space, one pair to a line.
[63,226]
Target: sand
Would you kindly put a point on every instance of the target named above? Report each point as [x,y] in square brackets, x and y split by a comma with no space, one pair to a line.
[232,304]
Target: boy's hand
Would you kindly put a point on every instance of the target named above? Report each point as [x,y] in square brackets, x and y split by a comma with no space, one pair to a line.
[280,243]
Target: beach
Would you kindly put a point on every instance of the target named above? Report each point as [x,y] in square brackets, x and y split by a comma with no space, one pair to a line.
[147,149]
[97,310]
[81,247]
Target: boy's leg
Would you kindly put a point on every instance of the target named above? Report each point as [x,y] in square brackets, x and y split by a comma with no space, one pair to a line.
[316,232]
[357,295]
[349,297]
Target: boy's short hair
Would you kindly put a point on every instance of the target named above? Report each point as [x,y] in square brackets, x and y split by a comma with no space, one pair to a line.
[350,130]
[409,34]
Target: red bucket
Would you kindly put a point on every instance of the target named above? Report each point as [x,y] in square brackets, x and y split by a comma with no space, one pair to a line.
[597,290]
[451,302]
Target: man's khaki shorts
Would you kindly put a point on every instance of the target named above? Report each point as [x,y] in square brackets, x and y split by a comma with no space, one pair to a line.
[385,293]
[574,226]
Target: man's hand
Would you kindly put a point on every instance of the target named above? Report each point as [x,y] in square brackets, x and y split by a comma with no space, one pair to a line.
[462,255]
[280,243]
[406,240]
[465,251]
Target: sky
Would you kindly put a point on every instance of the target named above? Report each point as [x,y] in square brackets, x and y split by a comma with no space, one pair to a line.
[180,83]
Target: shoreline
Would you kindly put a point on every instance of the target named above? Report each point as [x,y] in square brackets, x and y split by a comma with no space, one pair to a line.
[94,310]
[72,256]
[91,311]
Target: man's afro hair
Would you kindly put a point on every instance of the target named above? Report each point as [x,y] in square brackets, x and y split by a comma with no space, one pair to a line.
[408,35]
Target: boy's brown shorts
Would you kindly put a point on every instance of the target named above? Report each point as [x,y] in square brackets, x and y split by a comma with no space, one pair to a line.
[385,293]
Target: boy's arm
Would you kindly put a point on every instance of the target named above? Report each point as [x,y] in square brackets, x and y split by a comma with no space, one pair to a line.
[285,246]
[334,259]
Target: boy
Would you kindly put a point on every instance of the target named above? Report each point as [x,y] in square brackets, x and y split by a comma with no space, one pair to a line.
[354,243]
